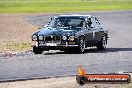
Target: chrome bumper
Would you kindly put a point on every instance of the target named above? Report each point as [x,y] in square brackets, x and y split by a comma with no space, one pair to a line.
[53,45]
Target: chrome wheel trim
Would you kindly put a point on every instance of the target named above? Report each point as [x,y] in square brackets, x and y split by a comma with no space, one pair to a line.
[104,42]
[82,45]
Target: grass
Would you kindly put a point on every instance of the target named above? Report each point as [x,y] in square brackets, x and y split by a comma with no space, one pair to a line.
[13,46]
[19,6]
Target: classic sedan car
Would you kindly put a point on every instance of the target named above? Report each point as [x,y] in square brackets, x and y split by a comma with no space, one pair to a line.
[70,33]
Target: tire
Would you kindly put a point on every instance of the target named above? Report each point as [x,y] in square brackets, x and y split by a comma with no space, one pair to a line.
[102,44]
[37,50]
[81,47]
[67,51]
[70,50]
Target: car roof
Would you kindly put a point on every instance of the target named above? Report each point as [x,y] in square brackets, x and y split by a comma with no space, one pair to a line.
[74,15]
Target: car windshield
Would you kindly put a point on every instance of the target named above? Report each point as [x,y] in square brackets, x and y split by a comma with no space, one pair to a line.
[66,22]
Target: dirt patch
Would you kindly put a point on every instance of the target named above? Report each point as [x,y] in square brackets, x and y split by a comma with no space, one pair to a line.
[15,32]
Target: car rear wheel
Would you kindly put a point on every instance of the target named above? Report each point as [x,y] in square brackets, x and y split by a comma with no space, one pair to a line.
[103,43]
[37,50]
[81,47]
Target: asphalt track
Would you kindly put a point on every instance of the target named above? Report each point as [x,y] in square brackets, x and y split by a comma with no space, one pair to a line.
[116,58]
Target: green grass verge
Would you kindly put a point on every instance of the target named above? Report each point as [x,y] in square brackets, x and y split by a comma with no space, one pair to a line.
[13,46]
[18,6]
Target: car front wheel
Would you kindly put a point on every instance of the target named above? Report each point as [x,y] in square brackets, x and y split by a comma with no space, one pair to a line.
[37,50]
[103,43]
[81,46]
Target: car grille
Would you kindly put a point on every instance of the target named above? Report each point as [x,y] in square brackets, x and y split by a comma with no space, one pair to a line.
[52,39]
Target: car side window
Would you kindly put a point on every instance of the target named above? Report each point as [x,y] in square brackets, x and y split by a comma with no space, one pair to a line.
[97,22]
[89,22]
[93,22]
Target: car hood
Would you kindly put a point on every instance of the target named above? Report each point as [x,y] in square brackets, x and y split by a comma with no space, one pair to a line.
[56,31]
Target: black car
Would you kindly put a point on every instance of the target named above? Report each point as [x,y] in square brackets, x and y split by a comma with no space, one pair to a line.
[70,33]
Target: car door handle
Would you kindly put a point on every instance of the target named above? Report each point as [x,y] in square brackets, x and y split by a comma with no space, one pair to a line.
[101,28]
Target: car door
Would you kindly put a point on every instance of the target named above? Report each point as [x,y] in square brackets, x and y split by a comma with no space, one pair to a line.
[96,31]
[88,34]
[99,31]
